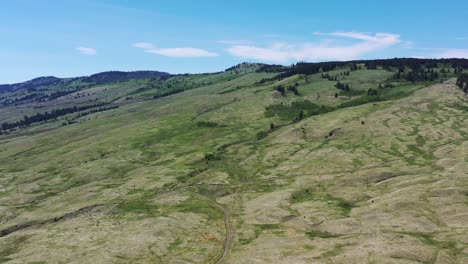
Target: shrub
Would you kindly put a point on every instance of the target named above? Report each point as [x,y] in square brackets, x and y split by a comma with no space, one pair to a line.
[206,124]
[261,134]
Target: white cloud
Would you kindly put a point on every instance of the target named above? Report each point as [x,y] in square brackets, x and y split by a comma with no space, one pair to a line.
[284,52]
[234,42]
[453,53]
[143,45]
[187,52]
[384,38]
[87,51]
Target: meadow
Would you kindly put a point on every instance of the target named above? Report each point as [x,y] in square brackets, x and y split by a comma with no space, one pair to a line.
[224,167]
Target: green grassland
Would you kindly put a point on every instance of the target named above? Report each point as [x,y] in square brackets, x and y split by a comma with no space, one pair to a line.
[367,179]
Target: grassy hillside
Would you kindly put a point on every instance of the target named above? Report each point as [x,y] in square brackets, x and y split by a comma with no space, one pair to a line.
[230,167]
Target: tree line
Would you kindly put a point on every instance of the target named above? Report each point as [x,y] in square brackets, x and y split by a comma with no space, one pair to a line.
[462,82]
[291,88]
[334,78]
[416,75]
[40,117]
[167,93]
[413,64]
[39,97]
[343,86]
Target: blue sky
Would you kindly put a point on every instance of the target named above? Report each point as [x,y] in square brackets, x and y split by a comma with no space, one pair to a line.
[74,38]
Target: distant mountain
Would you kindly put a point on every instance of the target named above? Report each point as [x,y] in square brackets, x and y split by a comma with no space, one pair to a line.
[98,78]
[120,76]
[34,83]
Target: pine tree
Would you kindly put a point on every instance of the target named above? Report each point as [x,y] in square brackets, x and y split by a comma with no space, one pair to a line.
[281,90]
[301,115]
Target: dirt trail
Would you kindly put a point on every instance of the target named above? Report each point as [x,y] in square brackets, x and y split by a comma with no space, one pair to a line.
[227,241]
[227,224]
[227,219]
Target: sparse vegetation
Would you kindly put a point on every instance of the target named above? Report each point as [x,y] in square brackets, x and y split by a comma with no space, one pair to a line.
[207,124]
[318,170]
[314,234]
[295,109]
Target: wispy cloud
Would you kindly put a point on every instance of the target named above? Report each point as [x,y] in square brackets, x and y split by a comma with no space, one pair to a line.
[234,42]
[325,50]
[378,37]
[407,44]
[462,38]
[453,53]
[186,52]
[270,36]
[87,51]
[144,45]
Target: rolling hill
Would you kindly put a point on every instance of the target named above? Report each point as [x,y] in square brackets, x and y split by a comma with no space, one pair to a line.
[336,162]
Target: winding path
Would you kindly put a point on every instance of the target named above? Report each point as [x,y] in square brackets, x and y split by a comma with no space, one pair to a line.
[227,224]
[227,220]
